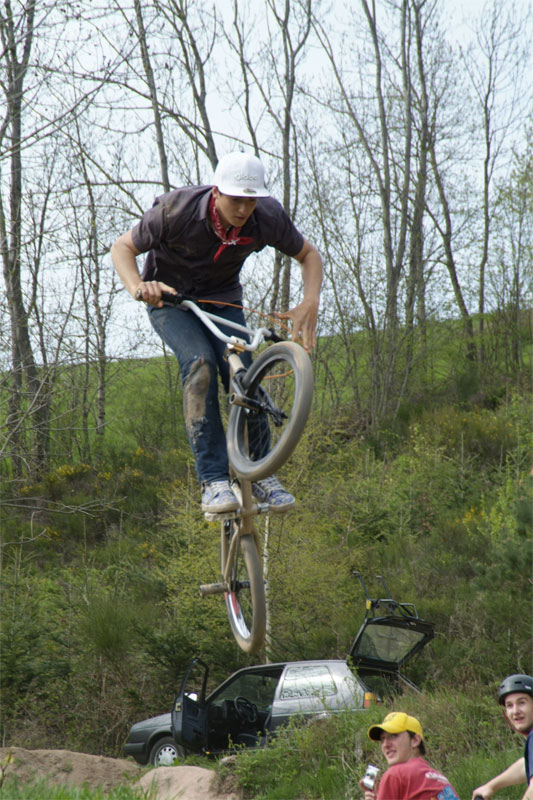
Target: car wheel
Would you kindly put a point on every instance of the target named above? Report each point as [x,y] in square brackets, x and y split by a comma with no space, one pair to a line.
[165,751]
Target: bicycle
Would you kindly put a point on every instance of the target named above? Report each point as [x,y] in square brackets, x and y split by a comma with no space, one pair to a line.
[269,403]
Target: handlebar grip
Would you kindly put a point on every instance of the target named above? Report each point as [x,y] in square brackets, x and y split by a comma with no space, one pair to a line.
[275,337]
[173,299]
[167,297]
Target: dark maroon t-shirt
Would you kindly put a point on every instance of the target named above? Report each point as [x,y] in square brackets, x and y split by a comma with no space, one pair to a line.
[181,244]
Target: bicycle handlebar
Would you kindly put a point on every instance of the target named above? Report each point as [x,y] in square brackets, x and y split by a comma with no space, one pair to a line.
[210,320]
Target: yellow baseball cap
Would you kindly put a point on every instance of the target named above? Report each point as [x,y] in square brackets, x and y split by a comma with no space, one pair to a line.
[396,722]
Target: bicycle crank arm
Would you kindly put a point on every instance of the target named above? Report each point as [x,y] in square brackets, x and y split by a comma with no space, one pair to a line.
[222,588]
[258,406]
[213,588]
[246,402]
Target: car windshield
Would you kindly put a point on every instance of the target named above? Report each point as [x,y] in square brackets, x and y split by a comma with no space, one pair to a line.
[258,687]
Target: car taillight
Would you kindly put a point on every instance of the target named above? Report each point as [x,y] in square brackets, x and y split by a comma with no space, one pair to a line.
[369,698]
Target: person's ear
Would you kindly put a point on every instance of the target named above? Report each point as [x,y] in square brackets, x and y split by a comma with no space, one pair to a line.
[415,740]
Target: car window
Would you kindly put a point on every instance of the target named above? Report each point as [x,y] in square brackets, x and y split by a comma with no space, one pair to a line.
[194,680]
[258,688]
[307,680]
[388,643]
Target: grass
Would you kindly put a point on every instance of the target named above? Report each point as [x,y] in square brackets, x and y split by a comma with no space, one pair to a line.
[41,790]
[466,738]
[441,510]
[476,769]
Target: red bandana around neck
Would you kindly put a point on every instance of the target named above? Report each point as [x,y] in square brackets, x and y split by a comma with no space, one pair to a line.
[228,238]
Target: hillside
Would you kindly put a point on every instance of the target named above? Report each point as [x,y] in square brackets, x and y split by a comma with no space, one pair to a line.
[102,558]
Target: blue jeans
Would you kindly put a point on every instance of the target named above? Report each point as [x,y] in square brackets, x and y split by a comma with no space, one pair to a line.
[201,359]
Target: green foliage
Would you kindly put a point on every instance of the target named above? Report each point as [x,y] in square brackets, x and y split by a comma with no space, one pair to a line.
[106,624]
[466,738]
[102,559]
[475,770]
[41,790]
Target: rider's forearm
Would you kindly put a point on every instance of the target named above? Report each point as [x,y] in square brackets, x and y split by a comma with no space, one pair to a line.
[528,795]
[312,274]
[123,253]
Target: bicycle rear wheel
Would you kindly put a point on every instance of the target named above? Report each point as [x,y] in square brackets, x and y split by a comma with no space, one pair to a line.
[279,388]
[245,602]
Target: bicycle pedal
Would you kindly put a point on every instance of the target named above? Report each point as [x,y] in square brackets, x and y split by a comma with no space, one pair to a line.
[212,516]
[279,509]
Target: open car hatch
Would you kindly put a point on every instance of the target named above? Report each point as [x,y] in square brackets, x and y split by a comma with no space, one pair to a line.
[391,634]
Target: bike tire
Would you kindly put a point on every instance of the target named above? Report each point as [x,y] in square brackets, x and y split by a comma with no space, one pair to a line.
[246,602]
[283,371]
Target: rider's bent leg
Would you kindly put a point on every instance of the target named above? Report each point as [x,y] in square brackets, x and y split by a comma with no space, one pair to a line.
[188,338]
[202,420]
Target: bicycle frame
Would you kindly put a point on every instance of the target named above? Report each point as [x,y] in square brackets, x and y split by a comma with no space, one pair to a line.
[232,534]
[234,344]
[258,335]
[262,433]
[247,511]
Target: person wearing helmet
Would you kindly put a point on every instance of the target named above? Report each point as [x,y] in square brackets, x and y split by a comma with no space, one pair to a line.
[197,239]
[409,776]
[515,694]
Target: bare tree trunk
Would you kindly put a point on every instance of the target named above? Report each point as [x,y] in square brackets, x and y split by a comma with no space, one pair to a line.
[393,262]
[97,298]
[416,282]
[447,240]
[27,390]
[389,158]
[150,79]
[293,21]
[193,63]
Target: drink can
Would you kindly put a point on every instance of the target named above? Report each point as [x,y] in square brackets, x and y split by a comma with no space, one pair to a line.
[371,776]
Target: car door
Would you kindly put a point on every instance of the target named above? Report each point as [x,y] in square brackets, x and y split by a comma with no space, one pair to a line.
[189,712]
[250,690]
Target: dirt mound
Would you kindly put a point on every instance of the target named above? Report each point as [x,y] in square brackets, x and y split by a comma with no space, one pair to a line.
[65,767]
[68,768]
[186,783]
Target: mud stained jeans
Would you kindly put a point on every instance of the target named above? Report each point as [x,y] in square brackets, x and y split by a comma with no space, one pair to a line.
[201,360]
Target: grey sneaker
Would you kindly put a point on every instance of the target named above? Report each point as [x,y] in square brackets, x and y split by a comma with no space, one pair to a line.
[218,497]
[270,491]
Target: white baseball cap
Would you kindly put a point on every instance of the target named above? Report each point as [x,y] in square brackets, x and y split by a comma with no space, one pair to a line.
[240,175]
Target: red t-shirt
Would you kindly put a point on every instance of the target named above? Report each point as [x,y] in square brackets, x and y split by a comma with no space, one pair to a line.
[415,780]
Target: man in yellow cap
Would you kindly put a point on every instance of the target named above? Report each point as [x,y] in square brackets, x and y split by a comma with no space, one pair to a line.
[409,776]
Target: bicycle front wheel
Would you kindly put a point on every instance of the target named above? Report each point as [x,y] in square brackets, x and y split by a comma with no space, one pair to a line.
[266,425]
[245,601]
